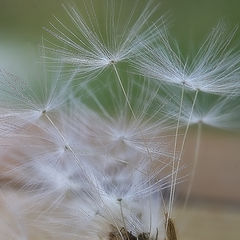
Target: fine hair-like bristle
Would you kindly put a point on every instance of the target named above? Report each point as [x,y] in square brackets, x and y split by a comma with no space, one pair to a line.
[92,142]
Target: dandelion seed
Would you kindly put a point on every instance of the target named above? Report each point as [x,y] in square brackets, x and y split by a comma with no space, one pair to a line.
[97,41]
[119,132]
[25,102]
[211,110]
[213,69]
[171,232]
[91,49]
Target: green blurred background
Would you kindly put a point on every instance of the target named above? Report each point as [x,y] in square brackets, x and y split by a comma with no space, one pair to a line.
[22,22]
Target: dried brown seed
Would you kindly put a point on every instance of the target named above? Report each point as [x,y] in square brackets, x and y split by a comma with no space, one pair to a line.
[171,231]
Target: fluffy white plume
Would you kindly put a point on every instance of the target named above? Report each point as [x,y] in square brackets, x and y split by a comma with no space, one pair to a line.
[214,68]
[212,110]
[97,39]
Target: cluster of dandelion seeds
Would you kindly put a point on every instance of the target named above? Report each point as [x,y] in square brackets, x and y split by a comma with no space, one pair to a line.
[90,144]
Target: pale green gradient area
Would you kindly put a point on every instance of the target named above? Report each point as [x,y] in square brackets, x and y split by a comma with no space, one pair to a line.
[190,19]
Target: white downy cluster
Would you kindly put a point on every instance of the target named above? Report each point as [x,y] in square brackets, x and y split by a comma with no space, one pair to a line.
[214,68]
[212,110]
[89,150]
[105,169]
[95,41]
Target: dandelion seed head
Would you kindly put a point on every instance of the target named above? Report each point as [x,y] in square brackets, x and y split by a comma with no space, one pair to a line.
[96,162]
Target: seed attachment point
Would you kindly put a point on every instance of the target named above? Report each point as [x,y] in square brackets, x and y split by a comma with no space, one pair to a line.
[66,148]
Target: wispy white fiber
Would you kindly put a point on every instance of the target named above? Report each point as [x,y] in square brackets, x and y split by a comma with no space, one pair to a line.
[96,39]
[214,68]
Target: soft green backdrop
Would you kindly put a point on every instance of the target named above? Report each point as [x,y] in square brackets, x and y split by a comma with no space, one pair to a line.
[23,19]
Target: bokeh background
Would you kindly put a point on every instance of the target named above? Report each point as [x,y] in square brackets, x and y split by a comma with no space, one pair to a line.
[213,211]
